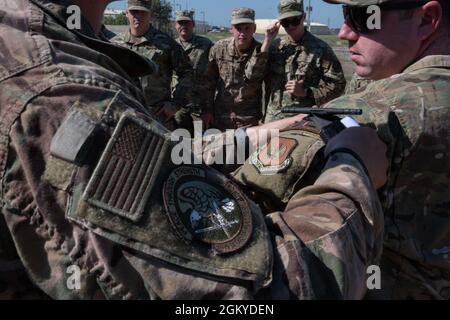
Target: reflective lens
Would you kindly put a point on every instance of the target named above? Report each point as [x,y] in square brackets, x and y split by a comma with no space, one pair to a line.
[357,17]
[291,21]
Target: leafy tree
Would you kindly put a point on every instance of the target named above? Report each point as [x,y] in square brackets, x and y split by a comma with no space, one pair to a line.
[163,14]
[120,19]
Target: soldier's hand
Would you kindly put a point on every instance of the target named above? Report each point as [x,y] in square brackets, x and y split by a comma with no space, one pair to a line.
[366,144]
[296,88]
[208,120]
[271,34]
[168,111]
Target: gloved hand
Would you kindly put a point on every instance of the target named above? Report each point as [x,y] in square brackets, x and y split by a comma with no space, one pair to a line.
[367,146]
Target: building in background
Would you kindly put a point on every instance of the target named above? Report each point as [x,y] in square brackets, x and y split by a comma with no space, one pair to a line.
[113,13]
[316,27]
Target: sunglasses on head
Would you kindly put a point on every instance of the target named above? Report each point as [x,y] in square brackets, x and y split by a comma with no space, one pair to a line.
[291,22]
[357,17]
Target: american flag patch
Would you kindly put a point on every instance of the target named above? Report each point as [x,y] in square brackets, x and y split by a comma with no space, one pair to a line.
[123,179]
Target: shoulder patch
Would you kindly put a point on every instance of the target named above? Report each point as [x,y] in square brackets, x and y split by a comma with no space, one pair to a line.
[202,208]
[272,158]
[125,176]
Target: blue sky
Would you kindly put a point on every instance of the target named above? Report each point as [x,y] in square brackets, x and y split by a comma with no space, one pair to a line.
[218,11]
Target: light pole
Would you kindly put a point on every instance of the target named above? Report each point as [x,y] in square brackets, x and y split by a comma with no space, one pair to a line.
[309,9]
[174,9]
[204,21]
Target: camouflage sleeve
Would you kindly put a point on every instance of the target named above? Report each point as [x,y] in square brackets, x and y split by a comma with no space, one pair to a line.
[332,81]
[256,68]
[212,77]
[328,235]
[200,76]
[356,84]
[184,92]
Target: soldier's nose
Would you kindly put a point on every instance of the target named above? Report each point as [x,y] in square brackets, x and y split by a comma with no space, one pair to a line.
[347,33]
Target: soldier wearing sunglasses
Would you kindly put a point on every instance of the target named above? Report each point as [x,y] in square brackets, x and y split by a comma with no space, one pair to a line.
[409,105]
[403,228]
[303,69]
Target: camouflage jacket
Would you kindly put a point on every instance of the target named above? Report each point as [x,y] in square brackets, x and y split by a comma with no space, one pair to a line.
[197,50]
[356,84]
[171,59]
[310,59]
[238,81]
[411,111]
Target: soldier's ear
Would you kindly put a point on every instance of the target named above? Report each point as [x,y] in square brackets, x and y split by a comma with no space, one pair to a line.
[431,19]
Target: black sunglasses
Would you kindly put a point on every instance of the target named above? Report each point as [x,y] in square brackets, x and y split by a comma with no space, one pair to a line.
[357,16]
[184,22]
[291,21]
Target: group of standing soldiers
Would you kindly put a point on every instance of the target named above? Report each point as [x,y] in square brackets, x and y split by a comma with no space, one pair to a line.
[236,82]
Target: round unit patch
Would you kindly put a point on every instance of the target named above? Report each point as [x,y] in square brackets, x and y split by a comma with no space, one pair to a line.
[203,205]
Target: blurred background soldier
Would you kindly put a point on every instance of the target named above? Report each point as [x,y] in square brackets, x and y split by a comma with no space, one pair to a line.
[197,48]
[236,70]
[303,69]
[159,47]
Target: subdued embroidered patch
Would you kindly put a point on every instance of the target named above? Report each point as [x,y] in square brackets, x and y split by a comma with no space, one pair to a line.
[123,179]
[59,173]
[274,157]
[202,207]
[74,137]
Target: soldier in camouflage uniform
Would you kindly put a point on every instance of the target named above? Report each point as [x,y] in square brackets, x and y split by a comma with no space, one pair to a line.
[197,48]
[88,189]
[236,70]
[303,69]
[159,47]
[356,84]
[409,106]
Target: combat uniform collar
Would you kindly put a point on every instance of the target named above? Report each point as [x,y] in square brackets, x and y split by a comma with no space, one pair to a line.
[132,63]
[188,44]
[234,52]
[305,37]
[134,40]
[437,61]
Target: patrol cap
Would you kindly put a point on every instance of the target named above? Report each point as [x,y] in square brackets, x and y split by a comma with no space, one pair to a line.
[360,3]
[141,5]
[184,15]
[290,8]
[242,15]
